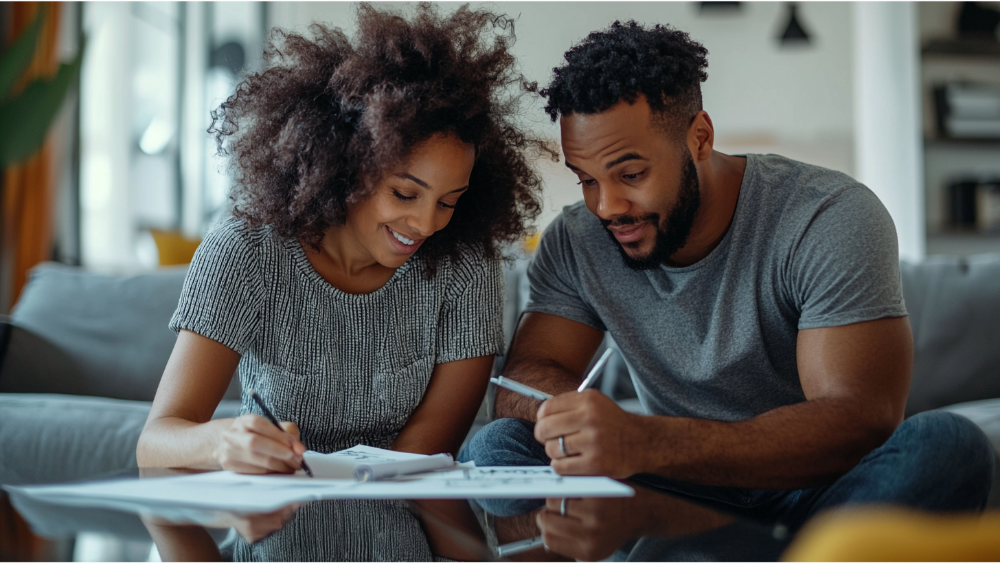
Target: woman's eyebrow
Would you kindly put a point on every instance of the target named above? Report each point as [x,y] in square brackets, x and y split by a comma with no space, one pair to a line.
[414,179]
[423,184]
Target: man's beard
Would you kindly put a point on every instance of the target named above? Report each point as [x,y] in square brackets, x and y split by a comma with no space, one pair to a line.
[671,237]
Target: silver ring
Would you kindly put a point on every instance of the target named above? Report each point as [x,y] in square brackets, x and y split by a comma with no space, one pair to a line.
[562,508]
[562,445]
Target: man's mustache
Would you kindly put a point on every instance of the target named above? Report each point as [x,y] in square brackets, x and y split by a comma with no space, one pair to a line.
[653,218]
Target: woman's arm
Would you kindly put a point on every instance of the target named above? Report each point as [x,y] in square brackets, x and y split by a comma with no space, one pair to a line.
[180,431]
[444,416]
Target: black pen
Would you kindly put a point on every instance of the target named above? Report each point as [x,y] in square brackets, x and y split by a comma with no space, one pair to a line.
[271,417]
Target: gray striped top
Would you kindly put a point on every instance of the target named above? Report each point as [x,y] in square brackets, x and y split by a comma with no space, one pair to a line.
[343,530]
[347,369]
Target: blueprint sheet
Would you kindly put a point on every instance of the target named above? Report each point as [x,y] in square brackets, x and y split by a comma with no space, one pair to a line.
[257,493]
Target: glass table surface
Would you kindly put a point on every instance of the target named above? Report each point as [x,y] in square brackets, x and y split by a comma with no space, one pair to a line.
[653,525]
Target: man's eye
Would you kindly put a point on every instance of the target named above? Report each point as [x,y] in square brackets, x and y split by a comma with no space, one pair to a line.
[402,197]
[634,176]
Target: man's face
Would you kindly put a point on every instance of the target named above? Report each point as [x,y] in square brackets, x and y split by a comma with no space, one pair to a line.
[639,182]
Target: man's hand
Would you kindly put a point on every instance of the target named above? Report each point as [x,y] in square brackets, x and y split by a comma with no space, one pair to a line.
[594,528]
[591,529]
[600,438]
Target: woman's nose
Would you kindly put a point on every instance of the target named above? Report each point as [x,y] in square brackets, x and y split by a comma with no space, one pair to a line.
[423,223]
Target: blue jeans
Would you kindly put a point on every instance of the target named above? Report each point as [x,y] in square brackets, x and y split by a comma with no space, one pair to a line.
[935,461]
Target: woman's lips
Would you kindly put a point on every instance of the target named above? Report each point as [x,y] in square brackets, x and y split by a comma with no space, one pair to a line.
[630,233]
[401,247]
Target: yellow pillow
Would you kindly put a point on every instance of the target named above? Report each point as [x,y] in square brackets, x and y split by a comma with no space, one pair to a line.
[895,534]
[174,248]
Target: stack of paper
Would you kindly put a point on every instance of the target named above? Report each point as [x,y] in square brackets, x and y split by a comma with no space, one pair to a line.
[252,493]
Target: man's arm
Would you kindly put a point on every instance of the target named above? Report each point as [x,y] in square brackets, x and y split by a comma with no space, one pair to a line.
[855,378]
[548,353]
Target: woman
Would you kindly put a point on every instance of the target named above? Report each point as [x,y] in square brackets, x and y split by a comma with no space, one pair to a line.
[357,288]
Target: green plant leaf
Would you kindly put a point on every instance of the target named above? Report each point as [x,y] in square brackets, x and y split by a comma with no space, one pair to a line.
[25,119]
[16,59]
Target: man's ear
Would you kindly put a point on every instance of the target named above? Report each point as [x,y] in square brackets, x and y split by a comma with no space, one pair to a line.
[701,136]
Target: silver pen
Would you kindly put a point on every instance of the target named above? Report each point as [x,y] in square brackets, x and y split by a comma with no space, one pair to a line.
[541,395]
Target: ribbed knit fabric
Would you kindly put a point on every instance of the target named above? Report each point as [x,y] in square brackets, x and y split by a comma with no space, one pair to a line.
[343,530]
[347,369]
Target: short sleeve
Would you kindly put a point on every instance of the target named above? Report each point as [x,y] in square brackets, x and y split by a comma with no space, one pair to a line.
[554,279]
[845,267]
[471,321]
[221,295]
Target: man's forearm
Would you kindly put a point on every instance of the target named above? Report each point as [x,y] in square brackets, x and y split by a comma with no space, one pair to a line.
[801,445]
[546,376]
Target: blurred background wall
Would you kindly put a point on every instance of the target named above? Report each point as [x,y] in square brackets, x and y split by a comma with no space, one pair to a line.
[881,91]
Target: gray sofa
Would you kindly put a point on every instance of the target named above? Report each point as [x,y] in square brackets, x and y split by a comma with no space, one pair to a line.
[82,354]
[80,359]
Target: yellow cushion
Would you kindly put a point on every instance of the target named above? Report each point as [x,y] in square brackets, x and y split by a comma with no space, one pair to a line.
[174,248]
[894,534]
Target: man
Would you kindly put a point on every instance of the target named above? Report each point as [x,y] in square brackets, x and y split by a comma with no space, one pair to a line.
[755,299]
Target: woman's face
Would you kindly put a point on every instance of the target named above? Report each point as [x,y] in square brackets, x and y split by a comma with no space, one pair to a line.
[414,201]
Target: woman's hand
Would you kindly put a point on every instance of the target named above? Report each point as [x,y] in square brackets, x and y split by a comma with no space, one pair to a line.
[252,444]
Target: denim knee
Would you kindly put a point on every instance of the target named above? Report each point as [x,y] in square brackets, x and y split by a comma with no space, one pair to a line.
[504,442]
[951,450]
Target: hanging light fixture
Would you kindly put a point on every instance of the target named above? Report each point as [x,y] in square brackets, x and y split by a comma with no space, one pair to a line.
[794,32]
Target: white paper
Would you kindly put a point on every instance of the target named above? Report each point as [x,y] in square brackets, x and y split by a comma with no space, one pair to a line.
[225,490]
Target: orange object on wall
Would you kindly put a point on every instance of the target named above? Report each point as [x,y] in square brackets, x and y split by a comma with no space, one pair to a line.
[29,187]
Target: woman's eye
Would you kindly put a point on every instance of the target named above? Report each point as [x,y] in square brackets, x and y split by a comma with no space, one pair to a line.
[402,197]
[447,205]
[586,182]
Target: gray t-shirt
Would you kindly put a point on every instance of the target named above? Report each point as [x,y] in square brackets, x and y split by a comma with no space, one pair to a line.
[348,369]
[808,247]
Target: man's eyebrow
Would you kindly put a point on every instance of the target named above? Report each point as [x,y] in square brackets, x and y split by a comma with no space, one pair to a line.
[414,179]
[623,158]
[613,163]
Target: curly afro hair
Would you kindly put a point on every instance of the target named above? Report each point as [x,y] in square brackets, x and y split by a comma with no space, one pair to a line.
[329,116]
[626,60]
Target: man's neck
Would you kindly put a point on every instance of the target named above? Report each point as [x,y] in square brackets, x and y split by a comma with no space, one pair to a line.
[720,178]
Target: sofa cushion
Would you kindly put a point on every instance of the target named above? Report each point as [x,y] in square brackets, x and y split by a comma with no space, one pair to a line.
[954,306]
[986,415]
[83,333]
[50,438]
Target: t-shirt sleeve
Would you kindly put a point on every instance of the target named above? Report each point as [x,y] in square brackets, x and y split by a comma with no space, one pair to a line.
[554,279]
[471,321]
[221,295]
[845,267]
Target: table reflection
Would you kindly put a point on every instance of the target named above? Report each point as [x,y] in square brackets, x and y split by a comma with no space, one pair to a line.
[652,525]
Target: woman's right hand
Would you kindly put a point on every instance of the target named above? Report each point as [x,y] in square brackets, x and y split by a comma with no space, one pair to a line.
[252,444]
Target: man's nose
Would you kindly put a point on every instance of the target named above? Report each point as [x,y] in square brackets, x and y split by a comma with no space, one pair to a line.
[611,203]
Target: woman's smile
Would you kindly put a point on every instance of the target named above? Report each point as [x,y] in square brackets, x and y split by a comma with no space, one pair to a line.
[402,243]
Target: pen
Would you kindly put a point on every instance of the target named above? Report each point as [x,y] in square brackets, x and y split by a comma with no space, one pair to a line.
[271,417]
[541,395]
[595,371]
[519,546]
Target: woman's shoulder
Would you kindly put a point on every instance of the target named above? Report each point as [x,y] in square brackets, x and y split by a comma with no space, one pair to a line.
[239,234]
[469,266]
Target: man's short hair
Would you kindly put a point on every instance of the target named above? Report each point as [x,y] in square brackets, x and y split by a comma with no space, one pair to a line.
[626,60]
